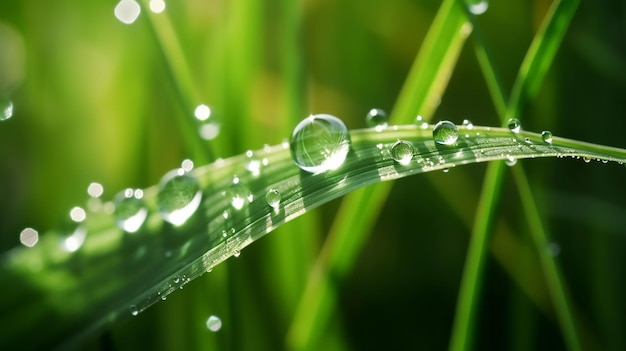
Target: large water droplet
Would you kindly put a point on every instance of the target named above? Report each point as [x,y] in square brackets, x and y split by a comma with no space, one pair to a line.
[130,211]
[320,143]
[376,118]
[514,125]
[273,198]
[6,108]
[477,7]
[29,237]
[445,133]
[402,152]
[179,196]
[214,323]
[546,136]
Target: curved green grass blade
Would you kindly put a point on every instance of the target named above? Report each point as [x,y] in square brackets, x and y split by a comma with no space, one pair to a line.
[115,273]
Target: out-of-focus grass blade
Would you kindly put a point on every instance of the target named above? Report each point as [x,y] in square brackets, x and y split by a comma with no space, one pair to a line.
[423,88]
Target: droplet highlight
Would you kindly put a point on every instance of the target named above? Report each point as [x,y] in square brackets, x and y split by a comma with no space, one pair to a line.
[376,118]
[445,133]
[130,210]
[477,7]
[179,196]
[239,194]
[214,323]
[209,128]
[29,237]
[468,124]
[273,198]
[546,136]
[320,143]
[133,310]
[402,152]
[6,108]
[514,125]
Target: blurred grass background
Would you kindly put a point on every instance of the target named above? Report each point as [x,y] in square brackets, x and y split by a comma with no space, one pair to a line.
[98,100]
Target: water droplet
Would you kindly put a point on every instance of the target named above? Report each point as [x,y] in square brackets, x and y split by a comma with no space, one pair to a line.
[421,122]
[510,161]
[29,237]
[6,108]
[477,7]
[127,11]
[320,143]
[209,128]
[514,125]
[586,159]
[157,6]
[445,133]
[402,152]
[239,194]
[179,196]
[273,198]
[254,165]
[546,136]
[187,165]
[214,323]
[527,140]
[236,253]
[133,310]
[377,118]
[446,170]
[130,211]
[176,280]
[468,124]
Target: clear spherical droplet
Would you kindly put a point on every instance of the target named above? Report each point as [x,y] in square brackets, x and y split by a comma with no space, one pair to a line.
[477,7]
[133,310]
[376,118]
[6,108]
[514,125]
[29,237]
[402,152]
[468,124]
[273,198]
[179,196]
[546,136]
[214,323]
[445,133]
[130,210]
[320,143]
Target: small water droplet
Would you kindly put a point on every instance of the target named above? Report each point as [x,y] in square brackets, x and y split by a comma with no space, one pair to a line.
[510,161]
[477,7]
[214,323]
[236,253]
[133,310]
[29,237]
[320,143]
[78,214]
[176,280]
[546,136]
[273,198]
[402,152]
[127,11]
[239,194]
[586,159]
[130,210]
[446,170]
[421,122]
[376,118]
[527,140]
[468,124]
[6,108]
[445,133]
[514,125]
[179,196]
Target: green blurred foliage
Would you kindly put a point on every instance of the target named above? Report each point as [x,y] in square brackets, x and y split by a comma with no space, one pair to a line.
[98,100]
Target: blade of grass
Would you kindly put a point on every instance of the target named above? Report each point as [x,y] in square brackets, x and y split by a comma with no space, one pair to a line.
[532,71]
[425,84]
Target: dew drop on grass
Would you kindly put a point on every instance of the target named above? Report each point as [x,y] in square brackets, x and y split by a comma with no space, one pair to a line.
[514,125]
[477,7]
[445,133]
[402,152]
[320,143]
[133,310]
[6,108]
[376,118]
[510,161]
[468,124]
[214,323]
[130,210]
[273,198]
[239,194]
[179,196]
[546,136]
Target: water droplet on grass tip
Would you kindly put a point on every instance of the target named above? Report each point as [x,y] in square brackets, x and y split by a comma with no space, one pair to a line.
[133,310]
[445,133]
[546,136]
[6,108]
[402,152]
[127,11]
[179,196]
[29,237]
[320,143]
[214,323]
[510,161]
[514,125]
[273,198]
[376,118]
[130,211]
